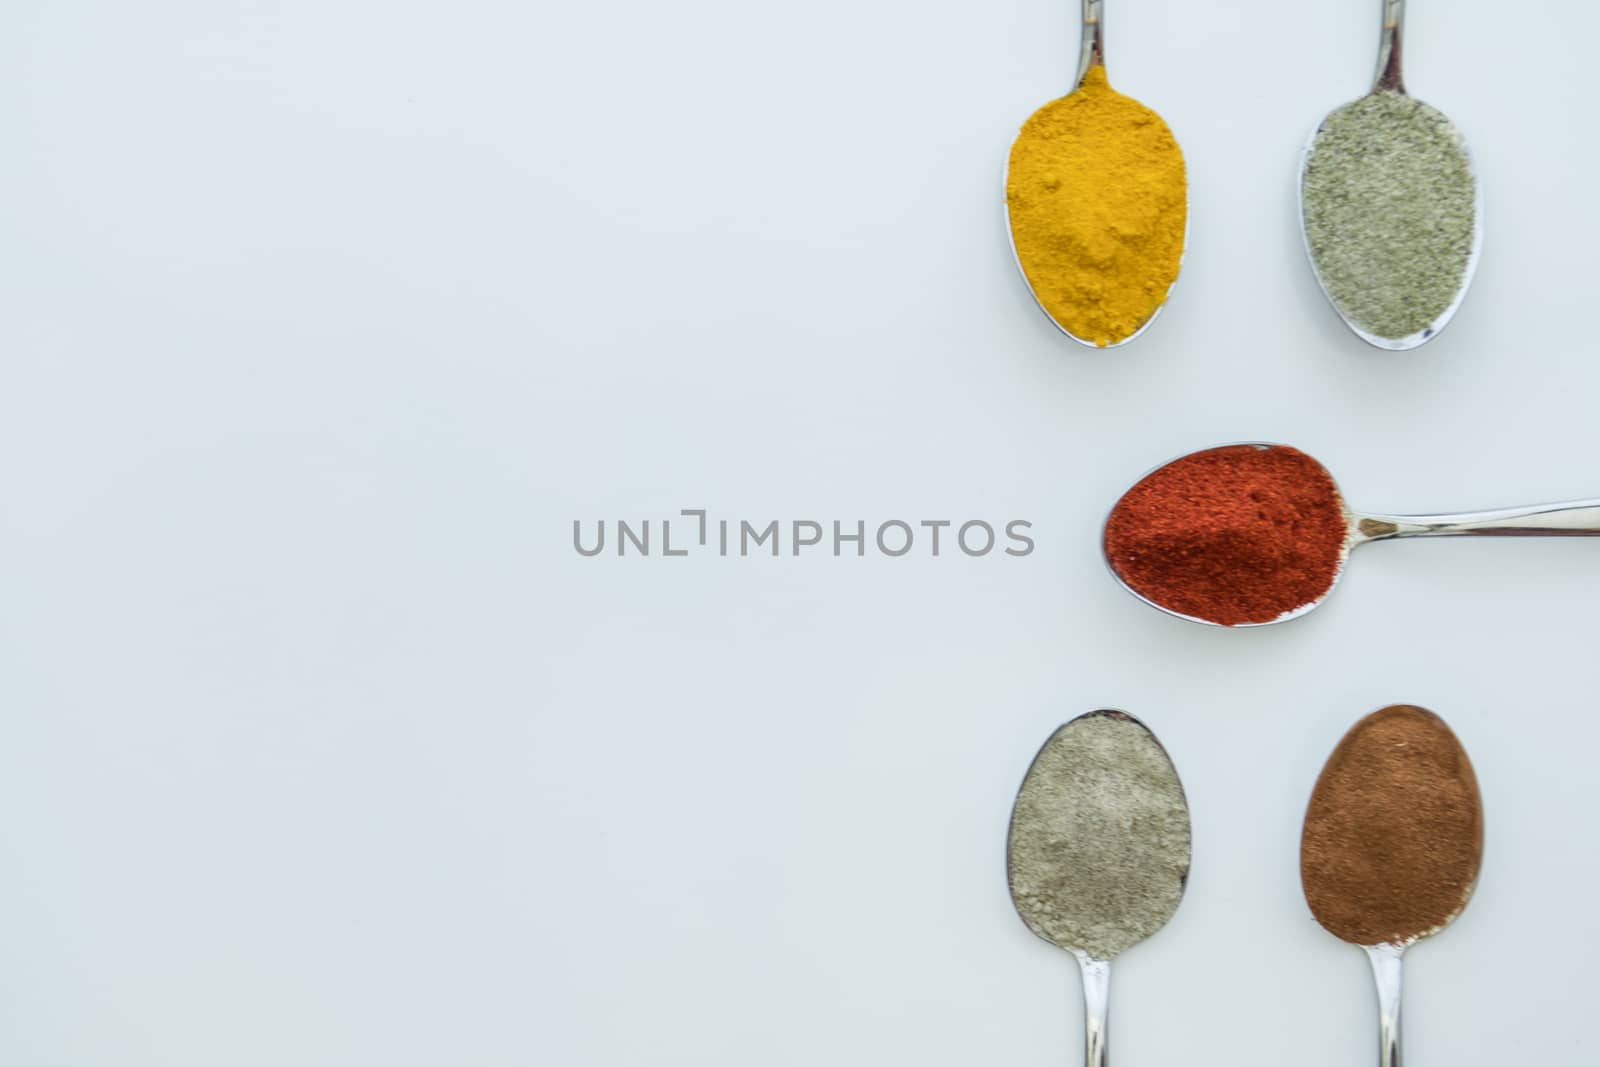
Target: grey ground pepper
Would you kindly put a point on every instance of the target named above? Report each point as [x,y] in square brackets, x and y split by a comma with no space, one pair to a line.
[1099,843]
[1389,199]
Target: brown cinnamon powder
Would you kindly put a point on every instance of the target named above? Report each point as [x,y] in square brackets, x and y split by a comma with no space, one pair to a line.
[1393,836]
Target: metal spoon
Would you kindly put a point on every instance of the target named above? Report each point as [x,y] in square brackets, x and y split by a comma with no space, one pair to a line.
[1098,852]
[1431,828]
[1091,54]
[1389,79]
[1575,518]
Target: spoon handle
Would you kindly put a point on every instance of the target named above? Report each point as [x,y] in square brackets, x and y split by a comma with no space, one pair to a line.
[1576,518]
[1096,1004]
[1388,76]
[1093,48]
[1386,971]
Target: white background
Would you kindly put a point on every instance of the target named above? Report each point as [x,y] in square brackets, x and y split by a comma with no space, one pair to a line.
[321,320]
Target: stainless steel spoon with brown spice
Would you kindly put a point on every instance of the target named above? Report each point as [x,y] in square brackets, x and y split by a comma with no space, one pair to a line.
[1098,853]
[1392,845]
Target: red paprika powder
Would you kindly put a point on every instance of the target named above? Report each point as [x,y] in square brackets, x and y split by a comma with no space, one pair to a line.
[1232,535]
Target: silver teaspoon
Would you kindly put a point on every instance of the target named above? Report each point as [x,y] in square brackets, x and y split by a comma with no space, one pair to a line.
[1396,806]
[1392,242]
[1097,855]
[1062,172]
[1149,561]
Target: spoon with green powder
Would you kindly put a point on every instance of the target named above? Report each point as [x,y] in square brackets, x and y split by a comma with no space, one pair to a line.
[1391,209]
[1098,853]
[1097,204]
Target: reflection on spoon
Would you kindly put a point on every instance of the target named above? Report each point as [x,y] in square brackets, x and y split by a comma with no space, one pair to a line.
[1393,843]
[1391,209]
[1098,852]
[1258,533]
[1097,204]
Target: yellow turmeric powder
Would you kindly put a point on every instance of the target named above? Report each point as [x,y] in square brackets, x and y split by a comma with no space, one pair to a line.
[1098,201]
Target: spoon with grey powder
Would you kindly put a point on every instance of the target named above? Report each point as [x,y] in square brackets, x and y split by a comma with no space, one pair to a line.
[1391,209]
[1098,853]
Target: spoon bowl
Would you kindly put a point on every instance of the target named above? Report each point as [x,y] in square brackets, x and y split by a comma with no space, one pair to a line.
[1432,329]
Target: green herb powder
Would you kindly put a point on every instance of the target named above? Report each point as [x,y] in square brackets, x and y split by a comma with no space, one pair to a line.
[1099,845]
[1388,199]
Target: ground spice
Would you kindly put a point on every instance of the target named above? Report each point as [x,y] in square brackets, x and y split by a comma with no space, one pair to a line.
[1233,535]
[1389,203]
[1394,834]
[1097,196]
[1099,845]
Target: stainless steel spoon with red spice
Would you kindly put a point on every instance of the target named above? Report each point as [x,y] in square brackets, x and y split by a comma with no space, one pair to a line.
[1258,533]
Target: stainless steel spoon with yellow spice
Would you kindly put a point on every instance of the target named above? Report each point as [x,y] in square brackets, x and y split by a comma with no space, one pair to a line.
[1098,203]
